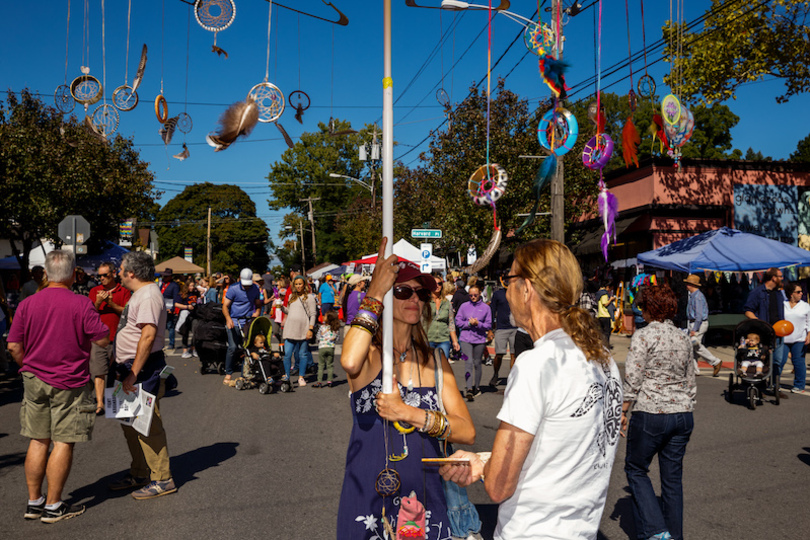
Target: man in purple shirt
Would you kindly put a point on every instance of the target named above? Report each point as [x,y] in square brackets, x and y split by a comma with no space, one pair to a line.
[51,339]
[474,318]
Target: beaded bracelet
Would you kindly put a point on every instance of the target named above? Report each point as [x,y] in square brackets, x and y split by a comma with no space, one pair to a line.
[428,422]
[367,313]
[366,323]
[372,305]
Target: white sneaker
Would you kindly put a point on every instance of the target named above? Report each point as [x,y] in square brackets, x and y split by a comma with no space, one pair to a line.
[186,355]
[194,353]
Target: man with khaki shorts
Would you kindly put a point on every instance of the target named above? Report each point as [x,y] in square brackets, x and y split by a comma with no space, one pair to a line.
[50,339]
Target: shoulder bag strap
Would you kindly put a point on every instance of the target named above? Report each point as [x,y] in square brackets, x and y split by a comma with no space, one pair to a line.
[439,377]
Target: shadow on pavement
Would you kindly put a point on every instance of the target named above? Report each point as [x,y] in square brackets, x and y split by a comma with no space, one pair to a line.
[184,468]
[623,512]
[804,458]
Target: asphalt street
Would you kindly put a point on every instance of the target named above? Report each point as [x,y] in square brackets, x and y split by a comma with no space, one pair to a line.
[271,466]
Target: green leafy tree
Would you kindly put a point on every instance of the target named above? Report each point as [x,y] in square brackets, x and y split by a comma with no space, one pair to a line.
[238,238]
[741,42]
[52,168]
[303,173]
[802,153]
[750,155]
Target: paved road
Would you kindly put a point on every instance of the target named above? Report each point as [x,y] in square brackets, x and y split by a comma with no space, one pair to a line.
[256,466]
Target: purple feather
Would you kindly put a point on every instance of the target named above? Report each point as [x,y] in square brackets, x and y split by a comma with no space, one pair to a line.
[608,209]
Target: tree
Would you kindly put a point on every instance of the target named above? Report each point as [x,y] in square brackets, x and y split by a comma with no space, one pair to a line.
[238,238]
[741,42]
[303,173]
[802,153]
[52,168]
[750,155]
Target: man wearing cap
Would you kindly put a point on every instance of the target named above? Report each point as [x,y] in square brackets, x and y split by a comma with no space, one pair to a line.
[326,295]
[171,296]
[357,283]
[697,315]
[241,302]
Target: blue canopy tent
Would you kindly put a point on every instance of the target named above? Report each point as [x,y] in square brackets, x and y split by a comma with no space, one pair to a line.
[725,250]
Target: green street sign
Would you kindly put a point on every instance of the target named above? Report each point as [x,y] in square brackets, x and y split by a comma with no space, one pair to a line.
[426,233]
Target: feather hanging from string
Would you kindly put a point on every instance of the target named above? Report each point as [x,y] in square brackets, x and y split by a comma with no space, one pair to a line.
[219,51]
[167,130]
[553,73]
[136,82]
[184,154]
[299,113]
[88,125]
[542,179]
[630,141]
[238,120]
[284,134]
[657,131]
[608,209]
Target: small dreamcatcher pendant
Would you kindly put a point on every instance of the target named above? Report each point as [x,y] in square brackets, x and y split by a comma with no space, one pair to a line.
[387,483]
[214,16]
[86,89]
[299,100]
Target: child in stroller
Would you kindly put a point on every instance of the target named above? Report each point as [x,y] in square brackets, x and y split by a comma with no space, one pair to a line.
[262,368]
[752,354]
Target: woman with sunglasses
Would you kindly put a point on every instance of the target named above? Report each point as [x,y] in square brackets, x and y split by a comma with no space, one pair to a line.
[797,312]
[550,464]
[442,330]
[395,431]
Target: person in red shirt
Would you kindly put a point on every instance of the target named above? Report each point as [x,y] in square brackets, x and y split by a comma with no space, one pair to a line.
[109,299]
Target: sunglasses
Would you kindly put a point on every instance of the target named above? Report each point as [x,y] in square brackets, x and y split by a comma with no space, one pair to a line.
[404,292]
[106,274]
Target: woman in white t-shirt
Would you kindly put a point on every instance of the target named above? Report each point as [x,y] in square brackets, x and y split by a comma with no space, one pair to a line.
[560,421]
[797,311]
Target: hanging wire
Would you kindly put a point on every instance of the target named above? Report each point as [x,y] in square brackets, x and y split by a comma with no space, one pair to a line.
[86,35]
[67,42]
[299,51]
[269,22]
[103,57]
[489,79]
[126,58]
[188,39]
[643,37]
[629,48]
[162,39]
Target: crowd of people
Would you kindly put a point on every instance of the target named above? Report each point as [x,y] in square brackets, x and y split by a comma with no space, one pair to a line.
[564,409]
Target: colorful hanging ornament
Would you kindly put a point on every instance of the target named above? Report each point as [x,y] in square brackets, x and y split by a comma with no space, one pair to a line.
[487,184]
[671,109]
[558,131]
[553,73]
[630,141]
[608,209]
[299,100]
[597,151]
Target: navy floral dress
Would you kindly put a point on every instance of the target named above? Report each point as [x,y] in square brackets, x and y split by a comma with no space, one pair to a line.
[359,515]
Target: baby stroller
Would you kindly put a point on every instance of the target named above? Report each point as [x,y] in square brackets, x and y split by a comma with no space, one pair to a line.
[266,373]
[210,340]
[754,383]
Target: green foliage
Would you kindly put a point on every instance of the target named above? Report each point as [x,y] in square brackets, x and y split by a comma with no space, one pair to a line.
[52,168]
[742,42]
[238,238]
[750,155]
[802,153]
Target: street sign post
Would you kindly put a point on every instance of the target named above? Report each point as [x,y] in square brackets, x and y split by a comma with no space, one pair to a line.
[426,233]
[426,252]
[74,231]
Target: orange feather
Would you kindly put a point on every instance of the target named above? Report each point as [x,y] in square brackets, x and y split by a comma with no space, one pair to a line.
[630,141]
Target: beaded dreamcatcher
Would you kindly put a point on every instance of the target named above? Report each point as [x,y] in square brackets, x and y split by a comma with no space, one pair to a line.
[215,16]
[125,97]
[105,117]
[62,97]
[85,88]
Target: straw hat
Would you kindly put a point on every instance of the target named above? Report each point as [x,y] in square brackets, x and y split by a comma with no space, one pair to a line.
[693,279]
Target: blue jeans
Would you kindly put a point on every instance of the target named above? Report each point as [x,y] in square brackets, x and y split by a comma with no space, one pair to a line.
[234,342]
[300,348]
[665,435]
[779,352]
[326,308]
[171,319]
[443,346]
[797,351]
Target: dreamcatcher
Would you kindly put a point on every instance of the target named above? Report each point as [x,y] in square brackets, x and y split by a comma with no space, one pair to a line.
[646,84]
[547,44]
[85,88]
[488,183]
[678,121]
[597,153]
[125,97]
[105,117]
[62,97]
[184,123]
[630,136]
[214,16]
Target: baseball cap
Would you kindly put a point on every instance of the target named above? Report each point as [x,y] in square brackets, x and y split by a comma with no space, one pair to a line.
[246,277]
[409,271]
[328,277]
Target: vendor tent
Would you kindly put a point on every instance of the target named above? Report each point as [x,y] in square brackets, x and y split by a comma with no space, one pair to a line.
[406,252]
[179,266]
[725,250]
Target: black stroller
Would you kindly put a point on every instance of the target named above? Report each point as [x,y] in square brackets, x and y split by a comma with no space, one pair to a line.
[752,382]
[210,340]
[267,373]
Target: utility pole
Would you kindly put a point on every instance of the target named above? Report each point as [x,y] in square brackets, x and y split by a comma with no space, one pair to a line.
[303,257]
[309,200]
[557,182]
[208,246]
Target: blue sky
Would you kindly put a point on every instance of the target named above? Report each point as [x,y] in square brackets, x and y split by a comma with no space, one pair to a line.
[340,67]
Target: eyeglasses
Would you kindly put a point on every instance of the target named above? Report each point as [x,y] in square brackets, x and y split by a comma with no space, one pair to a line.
[475,295]
[404,292]
[106,274]
[508,279]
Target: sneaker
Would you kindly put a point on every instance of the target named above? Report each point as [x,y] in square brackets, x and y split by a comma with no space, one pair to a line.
[477,392]
[797,391]
[185,355]
[34,511]
[661,536]
[157,488]
[194,354]
[63,511]
[488,362]
[494,382]
[128,482]
[470,395]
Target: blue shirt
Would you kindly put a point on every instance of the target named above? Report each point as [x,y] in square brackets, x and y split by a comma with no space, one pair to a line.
[244,301]
[758,304]
[697,310]
[327,293]
[500,310]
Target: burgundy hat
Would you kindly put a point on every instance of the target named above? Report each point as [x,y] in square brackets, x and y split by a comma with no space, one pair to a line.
[409,271]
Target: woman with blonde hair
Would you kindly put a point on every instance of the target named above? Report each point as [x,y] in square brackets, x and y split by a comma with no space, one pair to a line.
[299,326]
[560,421]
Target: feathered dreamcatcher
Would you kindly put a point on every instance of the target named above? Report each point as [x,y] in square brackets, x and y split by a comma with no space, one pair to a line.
[215,16]
[598,151]
[105,117]
[299,100]
[125,97]
[488,183]
[62,97]
[184,122]
[85,88]
[547,44]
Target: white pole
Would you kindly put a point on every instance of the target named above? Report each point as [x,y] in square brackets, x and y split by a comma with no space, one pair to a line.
[388,198]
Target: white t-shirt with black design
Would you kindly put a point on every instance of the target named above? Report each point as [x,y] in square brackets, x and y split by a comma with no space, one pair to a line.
[573,409]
